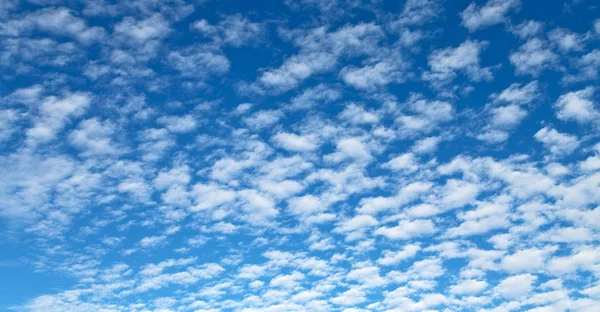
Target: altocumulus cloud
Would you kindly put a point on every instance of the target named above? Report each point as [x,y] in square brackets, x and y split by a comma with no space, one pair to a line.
[309,155]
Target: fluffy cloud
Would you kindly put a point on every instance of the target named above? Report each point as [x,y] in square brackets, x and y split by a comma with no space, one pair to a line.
[468,287]
[93,137]
[154,27]
[558,143]
[578,106]
[54,113]
[445,63]
[234,30]
[493,12]
[295,143]
[370,77]
[516,286]
[308,156]
[408,229]
[533,57]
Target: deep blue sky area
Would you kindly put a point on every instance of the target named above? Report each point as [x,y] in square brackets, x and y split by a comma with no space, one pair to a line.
[308,155]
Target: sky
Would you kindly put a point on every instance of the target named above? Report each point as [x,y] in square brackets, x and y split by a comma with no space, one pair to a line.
[299,155]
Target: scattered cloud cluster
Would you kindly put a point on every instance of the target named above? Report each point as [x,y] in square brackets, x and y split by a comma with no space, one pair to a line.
[312,155]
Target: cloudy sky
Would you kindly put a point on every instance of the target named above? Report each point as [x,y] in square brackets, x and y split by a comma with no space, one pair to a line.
[299,155]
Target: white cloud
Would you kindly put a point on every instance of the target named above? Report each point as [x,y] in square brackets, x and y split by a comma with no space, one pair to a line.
[198,63]
[493,12]
[493,136]
[370,77]
[588,66]
[405,162]
[408,229]
[558,143]
[179,124]
[58,21]
[356,223]
[209,196]
[137,188]
[527,29]
[263,119]
[281,189]
[350,148]
[507,116]
[578,106]
[251,271]
[593,292]
[392,258]
[418,12]
[311,97]
[235,30]
[295,143]
[27,95]
[518,94]
[533,57]
[566,40]
[427,145]
[306,296]
[320,51]
[259,208]
[296,69]
[243,108]
[152,241]
[54,113]
[584,259]
[288,160]
[93,137]
[151,28]
[503,119]
[350,297]
[408,193]
[368,277]
[591,163]
[445,63]
[468,287]
[515,287]
[526,260]
[155,143]
[427,115]
[307,204]
[176,176]
[458,193]
[487,217]
[568,235]
[357,115]
[287,281]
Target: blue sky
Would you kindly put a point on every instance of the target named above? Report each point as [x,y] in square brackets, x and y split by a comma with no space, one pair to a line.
[310,155]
